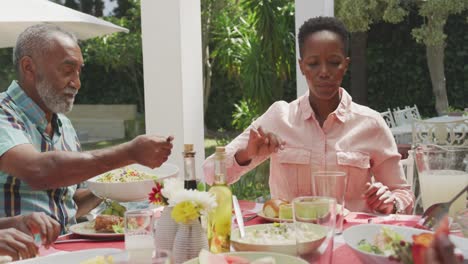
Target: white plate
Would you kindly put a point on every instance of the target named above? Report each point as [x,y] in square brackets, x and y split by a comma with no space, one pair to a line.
[87,229]
[275,219]
[75,257]
[354,234]
[284,248]
[131,191]
[279,258]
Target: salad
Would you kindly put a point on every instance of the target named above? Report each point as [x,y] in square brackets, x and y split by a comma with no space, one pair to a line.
[388,243]
[393,245]
[279,234]
[125,174]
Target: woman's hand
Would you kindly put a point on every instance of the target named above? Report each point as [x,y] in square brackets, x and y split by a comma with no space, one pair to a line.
[379,198]
[260,143]
[39,223]
[17,244]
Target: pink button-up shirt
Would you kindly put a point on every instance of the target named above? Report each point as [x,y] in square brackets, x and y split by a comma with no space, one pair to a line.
[354,139]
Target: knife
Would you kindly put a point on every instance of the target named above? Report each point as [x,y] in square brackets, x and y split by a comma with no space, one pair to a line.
[237,211]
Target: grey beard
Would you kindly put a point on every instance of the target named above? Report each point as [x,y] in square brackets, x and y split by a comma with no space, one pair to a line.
[55,102]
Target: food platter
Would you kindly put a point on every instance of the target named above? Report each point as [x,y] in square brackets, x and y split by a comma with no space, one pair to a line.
[75,257]
[132,191]
[87,229]
[279,258]
[278,238]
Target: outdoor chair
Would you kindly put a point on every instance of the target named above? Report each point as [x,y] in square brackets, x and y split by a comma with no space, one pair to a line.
[387,116]
[406,115]
[453,133]
[414,111]
[409,169]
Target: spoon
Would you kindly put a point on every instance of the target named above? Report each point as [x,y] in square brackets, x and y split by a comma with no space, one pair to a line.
[437,211]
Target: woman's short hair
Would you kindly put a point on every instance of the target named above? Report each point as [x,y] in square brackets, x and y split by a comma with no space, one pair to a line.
[316,24]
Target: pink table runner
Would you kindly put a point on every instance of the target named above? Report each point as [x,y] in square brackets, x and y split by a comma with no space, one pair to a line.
[342,253]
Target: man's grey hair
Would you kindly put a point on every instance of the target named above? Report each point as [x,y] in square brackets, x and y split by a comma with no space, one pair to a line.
[36,40]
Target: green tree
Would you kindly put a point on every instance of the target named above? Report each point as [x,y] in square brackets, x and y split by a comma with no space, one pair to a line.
[92,7]
[72,4]
[358,16]
[122,7]
[253,43]
[432,35]
[210,11]
[7,71]
[121,52]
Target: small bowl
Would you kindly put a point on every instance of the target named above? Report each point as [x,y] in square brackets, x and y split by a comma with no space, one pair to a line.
[131,191]
[354,234]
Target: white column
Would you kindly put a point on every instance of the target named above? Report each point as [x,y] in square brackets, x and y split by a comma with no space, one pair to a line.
[306,9]
[172,64]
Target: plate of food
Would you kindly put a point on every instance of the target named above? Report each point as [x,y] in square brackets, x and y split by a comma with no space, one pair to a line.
[276,237]
[378,243]
[87,256]
[131,183]
[277,210]
[108,224]
[101,227]
[206,257]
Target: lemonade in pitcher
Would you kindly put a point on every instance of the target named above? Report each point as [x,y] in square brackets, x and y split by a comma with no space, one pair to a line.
[438,186]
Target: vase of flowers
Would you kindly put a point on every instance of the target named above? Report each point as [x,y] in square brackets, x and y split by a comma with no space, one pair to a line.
[165,227]
[189,206]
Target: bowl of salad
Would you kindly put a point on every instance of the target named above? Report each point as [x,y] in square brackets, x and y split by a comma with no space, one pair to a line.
[130,183]
[378,243]
[276,237]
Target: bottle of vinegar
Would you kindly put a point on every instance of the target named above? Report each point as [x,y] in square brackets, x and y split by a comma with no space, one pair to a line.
[190,180]
[219,220]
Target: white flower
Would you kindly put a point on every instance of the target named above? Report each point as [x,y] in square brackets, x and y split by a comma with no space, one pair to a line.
[205,200]
[171,187]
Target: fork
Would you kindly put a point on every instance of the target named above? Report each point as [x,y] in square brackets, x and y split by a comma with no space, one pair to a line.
[437,211]
[248,218]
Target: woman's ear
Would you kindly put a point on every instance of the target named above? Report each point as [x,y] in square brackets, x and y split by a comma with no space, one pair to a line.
[347,61]
[301,66]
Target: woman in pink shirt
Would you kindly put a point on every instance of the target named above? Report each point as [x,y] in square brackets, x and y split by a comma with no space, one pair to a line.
[321,130]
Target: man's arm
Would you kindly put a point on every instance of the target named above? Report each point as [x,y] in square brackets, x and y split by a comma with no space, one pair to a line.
[86,201]
[54,169]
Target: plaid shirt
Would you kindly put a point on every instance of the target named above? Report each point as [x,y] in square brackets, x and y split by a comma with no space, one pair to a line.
[23,122]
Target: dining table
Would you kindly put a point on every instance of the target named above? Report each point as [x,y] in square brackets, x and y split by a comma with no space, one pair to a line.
[342,253]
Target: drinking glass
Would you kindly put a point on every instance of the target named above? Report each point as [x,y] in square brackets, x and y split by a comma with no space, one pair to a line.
[139,238]
[332,184]
[314,223]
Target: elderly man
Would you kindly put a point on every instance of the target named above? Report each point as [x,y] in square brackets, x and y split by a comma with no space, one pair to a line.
[40,159]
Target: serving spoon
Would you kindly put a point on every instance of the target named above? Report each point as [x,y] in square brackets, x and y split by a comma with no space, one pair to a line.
[432,215]
[238,213]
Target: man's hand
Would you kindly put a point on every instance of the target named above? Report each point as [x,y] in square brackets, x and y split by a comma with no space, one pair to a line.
[17,244]
[151,150]
[39,223]
[379,198]
[260,143]
[441,251]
